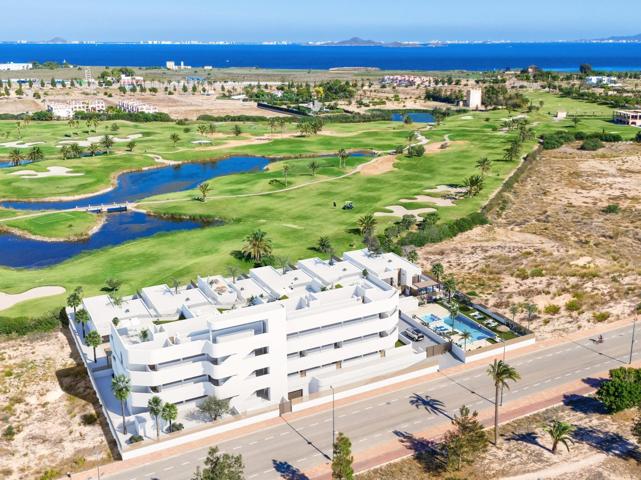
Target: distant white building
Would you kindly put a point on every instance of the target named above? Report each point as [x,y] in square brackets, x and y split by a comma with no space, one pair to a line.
[126,81]
[474,99]
[67,110]
[628,117]
[134,106]
[602,81]
[273,335]
[171,65]
[14,67]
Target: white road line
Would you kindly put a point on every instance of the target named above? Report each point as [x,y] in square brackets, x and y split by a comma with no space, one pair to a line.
[185,463]
[237,448]
[300,460]
[253,475]
[343,415]
[364,439]
[268,470]
[355,412]
[269,438]
[327,420]
[252,443]
[368,408]
[168,468]
[150,474]
[314,424]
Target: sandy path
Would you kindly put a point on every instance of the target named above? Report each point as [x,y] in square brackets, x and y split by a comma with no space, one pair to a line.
[8,300]
[382,165]
[441,202]
[561,469]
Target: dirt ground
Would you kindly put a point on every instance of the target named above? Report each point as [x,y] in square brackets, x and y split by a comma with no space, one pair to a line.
[553,245]
[603,449]
[44,394]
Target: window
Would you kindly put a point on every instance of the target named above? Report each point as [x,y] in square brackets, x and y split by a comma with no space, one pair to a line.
[263,393]
[261,372]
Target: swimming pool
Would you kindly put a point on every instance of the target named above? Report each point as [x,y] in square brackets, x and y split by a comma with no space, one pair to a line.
[463,324]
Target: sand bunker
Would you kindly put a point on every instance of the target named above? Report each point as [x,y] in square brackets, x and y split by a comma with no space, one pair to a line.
[201,142]
[90,140]
[20,144]
[51,172]
[379,166]
[399,211]
[441,202]
[7,300]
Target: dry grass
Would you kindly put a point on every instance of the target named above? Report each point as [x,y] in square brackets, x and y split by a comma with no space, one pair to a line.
[553,244]
[44,393]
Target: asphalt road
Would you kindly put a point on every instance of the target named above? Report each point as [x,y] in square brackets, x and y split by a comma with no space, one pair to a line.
[278,452]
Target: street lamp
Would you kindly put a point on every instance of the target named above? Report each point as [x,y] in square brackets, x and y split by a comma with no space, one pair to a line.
[504,345]
[333,422]
[634,328]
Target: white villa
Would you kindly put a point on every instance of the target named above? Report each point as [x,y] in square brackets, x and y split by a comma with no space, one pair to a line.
[134,106]
[15,67]
[67,110]
[269,336]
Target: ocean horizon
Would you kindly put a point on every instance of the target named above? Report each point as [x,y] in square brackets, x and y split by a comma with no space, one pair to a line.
[473,57]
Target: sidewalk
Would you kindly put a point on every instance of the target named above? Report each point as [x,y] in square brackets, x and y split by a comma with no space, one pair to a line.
[393,450]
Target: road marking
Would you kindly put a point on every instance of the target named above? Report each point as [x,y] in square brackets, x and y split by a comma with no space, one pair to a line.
[300,460]
[167,468]
[150,474]
[368,408]
[314,424]
[364,439]
[268,470]
[355,412]
[417,422]
[381,404]
[253,475]
[327,420]
[185,463]
[343,415]
[252,443]
[405,425]
[284,433]
[269,438]
[378,435]
[237,448]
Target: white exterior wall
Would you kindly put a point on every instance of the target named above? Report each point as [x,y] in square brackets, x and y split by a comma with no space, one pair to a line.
[15,67]
[253,354]
[474,98]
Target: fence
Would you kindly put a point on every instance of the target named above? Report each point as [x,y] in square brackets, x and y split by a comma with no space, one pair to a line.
[275,108]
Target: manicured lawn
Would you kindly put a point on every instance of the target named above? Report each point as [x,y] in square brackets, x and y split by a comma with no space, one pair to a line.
[59,225]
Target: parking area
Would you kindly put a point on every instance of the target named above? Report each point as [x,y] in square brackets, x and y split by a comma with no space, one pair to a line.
[423,344]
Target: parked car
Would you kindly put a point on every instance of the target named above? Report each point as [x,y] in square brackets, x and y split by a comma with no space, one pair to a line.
[414,334]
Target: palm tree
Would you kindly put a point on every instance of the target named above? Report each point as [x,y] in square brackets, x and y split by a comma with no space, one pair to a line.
[75,299]
[473,185]
[412,256]
[175,138]
[257,245]
[35,154]
[313,167]
[484,165]
[367,224]
[530,309]
[438,271]
[285,173]
[500,373]
[93,149]
[211,128]
[93,339]
[449,284]
[155,407]
[272,124]
[75,150]
[343,155]
[15,157]
[514,310]
[169,413]
[107,142]
[202,129]
[204,188]
[121,387]
[82,317]
[465,336]
[454,313]
[233,271]
[560,432]
[324,244]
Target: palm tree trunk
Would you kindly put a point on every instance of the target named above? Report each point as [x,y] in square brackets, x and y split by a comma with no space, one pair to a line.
[496,415]
[555,444]
[94,354]
[122,411]
[157,429]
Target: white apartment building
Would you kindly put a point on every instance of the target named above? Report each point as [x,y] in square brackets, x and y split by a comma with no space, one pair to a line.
[269,336]
[134,106]
[67,110]
[602,81]
[15,67]
[126,81]
[474,99]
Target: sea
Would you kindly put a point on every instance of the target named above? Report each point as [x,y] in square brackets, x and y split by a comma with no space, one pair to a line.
[564,56]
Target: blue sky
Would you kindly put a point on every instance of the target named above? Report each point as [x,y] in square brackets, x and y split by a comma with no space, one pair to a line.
[302,20]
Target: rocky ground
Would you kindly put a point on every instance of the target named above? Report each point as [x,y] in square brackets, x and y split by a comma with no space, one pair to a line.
[47,401]
[552,243]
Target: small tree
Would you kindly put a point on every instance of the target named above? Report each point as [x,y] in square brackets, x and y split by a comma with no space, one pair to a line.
[313,166]
[237,130]
[213,407]
[75,299]
[286,173]
[175,138]
[93,339]
[107,142]
[131,145]
[169,413]
[343,155]
[467,440]
[155,407]
[121,387]
[342,459]
[412,256]
[113,284]
[560,432]
[221,466]
[324,244]
[204,189]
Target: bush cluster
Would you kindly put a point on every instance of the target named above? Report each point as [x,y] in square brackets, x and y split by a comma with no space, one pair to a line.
[24,325]
[434,233]
[622,390]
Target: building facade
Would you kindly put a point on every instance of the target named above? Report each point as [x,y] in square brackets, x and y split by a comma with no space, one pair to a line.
[134,106]
[269,336]
[628,117]
[474,99]
[67,110]
[15,67]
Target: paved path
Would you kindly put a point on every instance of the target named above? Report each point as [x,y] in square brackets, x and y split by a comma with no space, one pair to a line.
[376,423]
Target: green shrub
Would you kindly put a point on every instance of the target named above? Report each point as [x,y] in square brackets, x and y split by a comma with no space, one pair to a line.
[638,137]
[9,433]
[552,309]
[521,274]
[135,439]
[50,474]
[622,390]
[600,316]
[573,305]
[176,427]
[89,419]
[435,233]
[24,325]
[536,272]
[610,137]
[580,136]
[612,208]
[591,144]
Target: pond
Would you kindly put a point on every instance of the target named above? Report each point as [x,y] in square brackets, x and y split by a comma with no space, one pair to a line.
[417,117]
[19,252]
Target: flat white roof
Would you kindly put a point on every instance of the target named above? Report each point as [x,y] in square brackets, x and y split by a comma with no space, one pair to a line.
[381,264]
[102,311]
[166,301]
[292,282]
[328,273]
